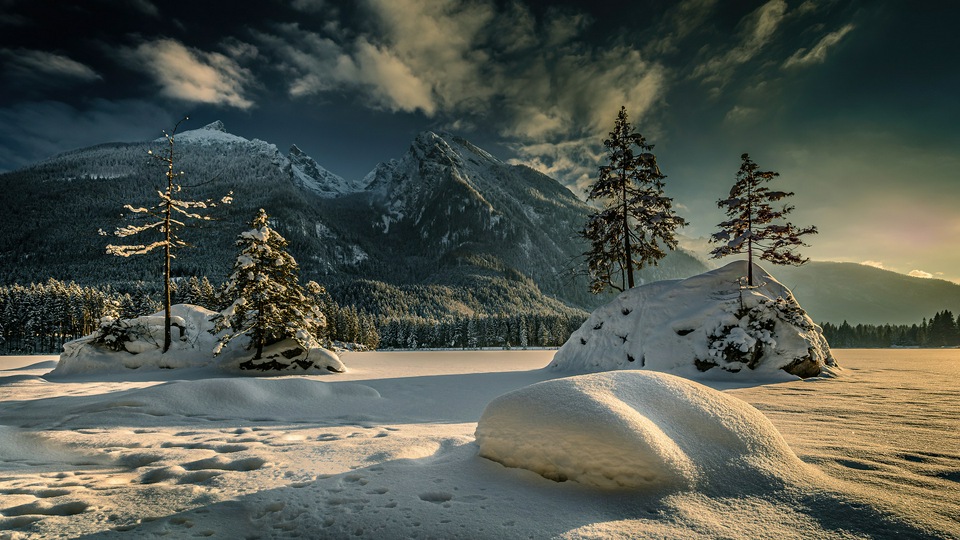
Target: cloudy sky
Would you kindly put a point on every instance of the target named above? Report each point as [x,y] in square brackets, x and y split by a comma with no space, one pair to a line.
[853,102]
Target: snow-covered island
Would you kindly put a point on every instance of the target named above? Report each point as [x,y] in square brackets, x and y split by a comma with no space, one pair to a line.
[122,345]
[703,324]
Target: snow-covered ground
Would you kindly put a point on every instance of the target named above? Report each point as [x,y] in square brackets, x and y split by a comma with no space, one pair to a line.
[387,450]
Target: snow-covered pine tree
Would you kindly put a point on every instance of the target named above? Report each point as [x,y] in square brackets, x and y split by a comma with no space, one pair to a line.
[191,292]
[165,217]
[636,223]
[755,224]
[269,305]
[208,294]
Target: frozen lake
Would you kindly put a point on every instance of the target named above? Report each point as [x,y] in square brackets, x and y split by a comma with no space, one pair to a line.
[387,451]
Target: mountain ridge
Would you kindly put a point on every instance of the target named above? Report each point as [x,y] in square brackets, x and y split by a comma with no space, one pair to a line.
[446,228]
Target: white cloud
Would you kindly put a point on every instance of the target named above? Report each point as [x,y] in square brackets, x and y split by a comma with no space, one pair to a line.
[818,54]
[740,114]
[192,75]
[681,21]
[394,83]
[573,160]
[41,64]
[758,29]
[875,264]
[920,274]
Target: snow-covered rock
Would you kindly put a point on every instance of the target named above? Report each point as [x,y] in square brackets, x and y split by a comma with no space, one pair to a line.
[700,323]
[136,343]
[633,429]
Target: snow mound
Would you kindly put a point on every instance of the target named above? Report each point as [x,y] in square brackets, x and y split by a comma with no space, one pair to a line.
[192,347]
[632,429]
[694,325]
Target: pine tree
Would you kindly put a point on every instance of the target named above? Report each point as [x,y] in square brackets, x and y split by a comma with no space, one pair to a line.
[166,219]
[208,294]
[755,224]
[192,293]
[269,305]
[522,332]
[636,223]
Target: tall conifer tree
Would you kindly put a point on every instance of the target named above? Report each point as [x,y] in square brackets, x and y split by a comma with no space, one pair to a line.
[269,305]
[636,223]
[754,222]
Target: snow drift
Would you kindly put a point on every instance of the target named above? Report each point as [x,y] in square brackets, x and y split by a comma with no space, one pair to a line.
[632,429]
[291,398]
[696,324]
[136,343]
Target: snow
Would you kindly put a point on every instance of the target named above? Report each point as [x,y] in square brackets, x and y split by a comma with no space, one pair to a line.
[632,429]
[387,450]
[709,325]
[213,133]
[191,348]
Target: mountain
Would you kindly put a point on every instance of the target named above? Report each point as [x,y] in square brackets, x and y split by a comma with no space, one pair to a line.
[836,292]
[444,229]
[841,291]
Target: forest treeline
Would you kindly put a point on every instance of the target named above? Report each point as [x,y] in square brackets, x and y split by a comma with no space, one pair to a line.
[41,317]
[942,330]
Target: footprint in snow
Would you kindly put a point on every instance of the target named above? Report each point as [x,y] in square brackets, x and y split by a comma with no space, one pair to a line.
[43,509]
[219,463]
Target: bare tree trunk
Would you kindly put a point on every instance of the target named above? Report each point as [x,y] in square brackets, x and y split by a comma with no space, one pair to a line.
[626,235]
[750,237]
[166,270]
[166,285]
[259,330]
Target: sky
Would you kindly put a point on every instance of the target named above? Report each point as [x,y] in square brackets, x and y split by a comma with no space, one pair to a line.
[852,102]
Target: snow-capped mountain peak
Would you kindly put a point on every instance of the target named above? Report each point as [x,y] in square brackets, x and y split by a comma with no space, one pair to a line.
[310,175]
[216,125]
[212,133]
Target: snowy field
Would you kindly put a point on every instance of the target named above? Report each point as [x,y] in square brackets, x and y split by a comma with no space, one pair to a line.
[388,450]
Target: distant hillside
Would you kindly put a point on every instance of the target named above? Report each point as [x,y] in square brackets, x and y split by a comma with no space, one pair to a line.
[836,292]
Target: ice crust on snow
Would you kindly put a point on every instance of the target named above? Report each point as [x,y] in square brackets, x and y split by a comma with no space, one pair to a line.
[192,346]
[706,323]
[633,429]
